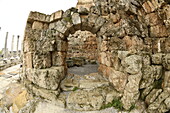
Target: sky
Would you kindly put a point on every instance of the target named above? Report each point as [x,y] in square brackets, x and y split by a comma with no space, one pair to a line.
[14,14]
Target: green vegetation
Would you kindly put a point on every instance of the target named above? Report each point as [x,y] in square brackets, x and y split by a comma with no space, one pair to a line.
[75,88]
[67,19]
[132,107]
[0,52]
[116,103]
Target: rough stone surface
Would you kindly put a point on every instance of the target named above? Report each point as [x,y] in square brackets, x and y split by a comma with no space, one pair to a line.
[41,77]
[118,79]
[133,64]
[131,92]
[131,47]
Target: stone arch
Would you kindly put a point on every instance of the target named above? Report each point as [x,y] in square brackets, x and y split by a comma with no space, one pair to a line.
[45,46]
[134,49]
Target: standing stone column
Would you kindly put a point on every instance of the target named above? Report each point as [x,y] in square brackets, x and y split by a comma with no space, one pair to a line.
[17,46]
[12,46]
[5,48]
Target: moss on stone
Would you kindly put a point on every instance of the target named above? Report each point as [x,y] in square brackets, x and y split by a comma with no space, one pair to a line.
[67,19]
[116,103]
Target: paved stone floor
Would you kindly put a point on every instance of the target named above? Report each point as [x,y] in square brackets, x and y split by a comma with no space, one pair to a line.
[84,70]
[8,76]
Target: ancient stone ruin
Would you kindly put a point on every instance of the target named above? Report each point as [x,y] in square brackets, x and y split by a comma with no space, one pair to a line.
[133,53]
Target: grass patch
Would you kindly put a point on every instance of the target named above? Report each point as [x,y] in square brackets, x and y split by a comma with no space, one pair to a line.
[116,103]
[75,88]
[131,107]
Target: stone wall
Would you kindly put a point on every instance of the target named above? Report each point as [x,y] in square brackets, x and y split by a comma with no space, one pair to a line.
[85,4]
[133,47]
[82,44]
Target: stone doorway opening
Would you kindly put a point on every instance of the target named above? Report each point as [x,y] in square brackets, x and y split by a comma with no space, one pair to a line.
[82,54]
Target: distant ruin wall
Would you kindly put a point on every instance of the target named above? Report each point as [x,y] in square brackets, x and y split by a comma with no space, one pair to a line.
[133,39]
[83,44]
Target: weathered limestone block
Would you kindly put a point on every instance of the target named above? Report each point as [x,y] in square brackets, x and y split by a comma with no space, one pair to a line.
[47,78]
[112,95]
[83,11]
[92,20]
[148,7]
[46,44]
[76,19]
[58,58]
[58,15]
[85,4]
[158,31]
[162,108]
[166,61]
[62,46]
[92,81]
[108,25]
[105,59]
[131,92]
[29,60]
[155,105]
[167,102]
[146,91]
[152,19]
[41,92]
[42,60]
[146,59]
[116,43]
[84,24]
[61,28]
[20,101]
[150,73]
[153,96]
[33,34]
[167,45]
[157,72]
[130,27]
[148,44]
[133,43]
[157,58]
[116,62]
[166,81]
[98,24]
[87,100]
[29,45]
[122,54]
[83,100]
[118,79]
[52,25]
[52,17]
[132,64]
[158,45]
[104,46]
[115,17]
[37,25]
[37,16]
